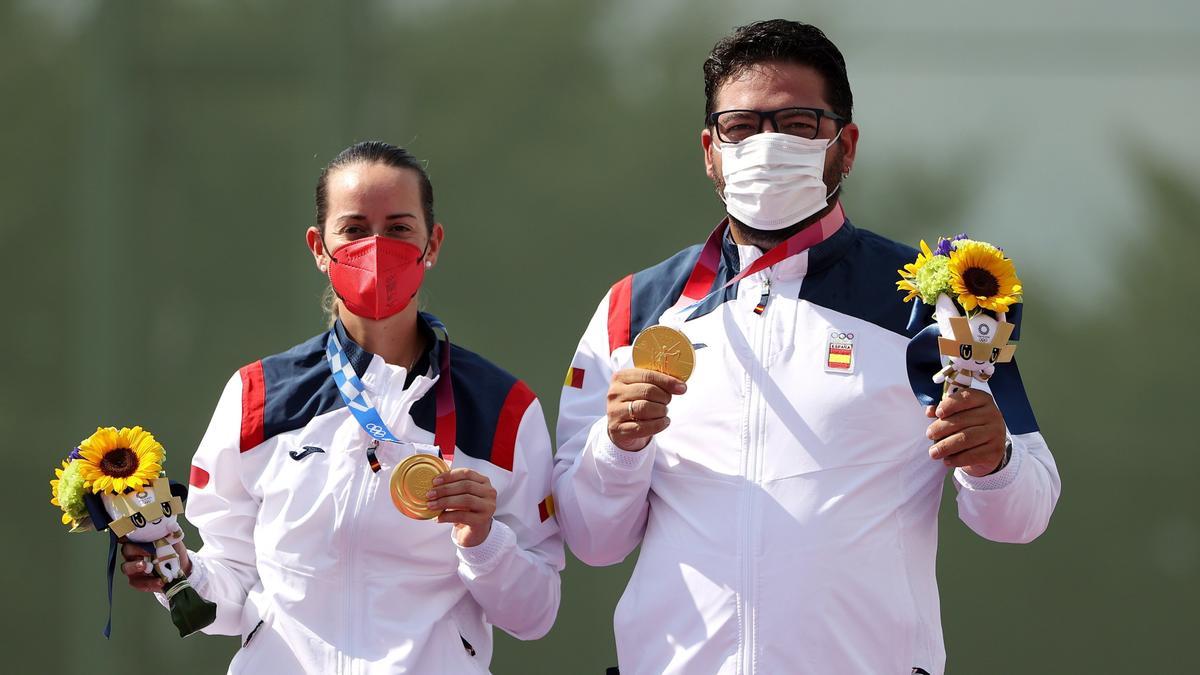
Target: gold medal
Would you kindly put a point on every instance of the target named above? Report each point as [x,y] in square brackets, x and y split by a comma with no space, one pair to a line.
[411,480]
[665,350]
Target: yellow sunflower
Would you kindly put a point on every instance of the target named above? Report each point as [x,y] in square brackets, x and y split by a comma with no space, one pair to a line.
[114,460]
[983,277]
[908,275]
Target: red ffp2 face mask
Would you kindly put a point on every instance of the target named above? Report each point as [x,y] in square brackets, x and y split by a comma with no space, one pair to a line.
[376,277]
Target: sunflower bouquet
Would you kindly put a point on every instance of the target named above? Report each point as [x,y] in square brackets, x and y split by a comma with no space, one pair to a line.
[114,480]
[972,287]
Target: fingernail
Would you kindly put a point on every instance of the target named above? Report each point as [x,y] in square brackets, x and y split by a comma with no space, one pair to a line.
[666,421]
[431,494]
[681,388]
[432,503]
[437,480]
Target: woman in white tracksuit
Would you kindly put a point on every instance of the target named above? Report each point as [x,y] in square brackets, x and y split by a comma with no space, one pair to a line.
[305,554]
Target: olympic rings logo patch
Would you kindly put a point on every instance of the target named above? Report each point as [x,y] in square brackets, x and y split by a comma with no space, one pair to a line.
[835,335]
[376,430]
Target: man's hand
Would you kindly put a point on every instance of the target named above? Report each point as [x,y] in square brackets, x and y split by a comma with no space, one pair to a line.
[637,406]
[139,566]
[469,501]
[969,432]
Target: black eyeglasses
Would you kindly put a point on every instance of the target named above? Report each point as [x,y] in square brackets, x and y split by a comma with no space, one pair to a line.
[735,126]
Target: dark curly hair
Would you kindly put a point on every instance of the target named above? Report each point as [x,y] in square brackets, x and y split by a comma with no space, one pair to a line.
[778,40]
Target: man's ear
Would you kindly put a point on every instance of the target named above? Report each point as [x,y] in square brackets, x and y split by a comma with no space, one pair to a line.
[849,143]
[706,145]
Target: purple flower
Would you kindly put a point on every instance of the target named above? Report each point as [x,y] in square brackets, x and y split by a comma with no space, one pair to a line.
[75,454]
[944,244]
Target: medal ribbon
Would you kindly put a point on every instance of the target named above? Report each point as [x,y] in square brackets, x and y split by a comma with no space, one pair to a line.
[704,273]
[354,392]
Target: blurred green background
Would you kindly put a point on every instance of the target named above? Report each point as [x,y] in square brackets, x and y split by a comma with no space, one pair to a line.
[159,159]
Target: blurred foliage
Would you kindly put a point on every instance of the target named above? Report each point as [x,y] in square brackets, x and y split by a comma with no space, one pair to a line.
[160,164]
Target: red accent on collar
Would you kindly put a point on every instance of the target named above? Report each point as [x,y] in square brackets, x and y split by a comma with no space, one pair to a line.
[699,283]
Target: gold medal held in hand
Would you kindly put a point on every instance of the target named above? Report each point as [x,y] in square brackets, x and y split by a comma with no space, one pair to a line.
[664,350]
[411,480]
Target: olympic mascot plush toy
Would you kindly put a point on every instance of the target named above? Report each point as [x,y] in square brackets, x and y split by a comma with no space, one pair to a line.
[114,481]
[974,346]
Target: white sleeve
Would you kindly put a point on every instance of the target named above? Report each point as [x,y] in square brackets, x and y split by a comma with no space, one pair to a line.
[514,573]
[223,570]
[601,490]
[1014,504]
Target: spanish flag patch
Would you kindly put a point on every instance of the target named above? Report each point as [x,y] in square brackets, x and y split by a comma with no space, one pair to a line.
[839,352]
[574,378]
[546,508]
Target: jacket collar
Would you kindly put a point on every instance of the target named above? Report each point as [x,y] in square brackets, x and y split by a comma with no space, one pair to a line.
[734,257]
[361,359]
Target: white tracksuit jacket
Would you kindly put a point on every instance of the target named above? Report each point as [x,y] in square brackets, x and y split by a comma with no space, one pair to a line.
[310,562]
[788,516]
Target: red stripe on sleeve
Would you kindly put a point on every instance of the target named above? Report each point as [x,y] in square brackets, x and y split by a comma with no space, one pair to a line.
[619,313]
[254,400]
[505,441]
[199,477]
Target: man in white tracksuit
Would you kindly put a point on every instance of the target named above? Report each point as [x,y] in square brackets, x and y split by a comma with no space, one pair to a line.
[785,498]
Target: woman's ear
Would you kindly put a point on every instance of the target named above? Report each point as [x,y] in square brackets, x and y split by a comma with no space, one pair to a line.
[317,248]
[435,245]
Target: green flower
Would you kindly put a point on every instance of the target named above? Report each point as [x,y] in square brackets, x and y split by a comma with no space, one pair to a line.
[68,491]
[933,279]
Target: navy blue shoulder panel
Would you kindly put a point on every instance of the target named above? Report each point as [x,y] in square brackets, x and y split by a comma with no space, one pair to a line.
[656,289]
[298,387]
[854,272]
[481,389]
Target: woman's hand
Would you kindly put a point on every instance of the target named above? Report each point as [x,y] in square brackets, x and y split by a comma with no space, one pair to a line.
[469,501]
[139,566]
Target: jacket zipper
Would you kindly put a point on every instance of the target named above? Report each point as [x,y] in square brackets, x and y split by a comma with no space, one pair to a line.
[345,660]
[754,439]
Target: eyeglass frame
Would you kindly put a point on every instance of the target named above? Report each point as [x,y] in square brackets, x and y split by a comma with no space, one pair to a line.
[764,115]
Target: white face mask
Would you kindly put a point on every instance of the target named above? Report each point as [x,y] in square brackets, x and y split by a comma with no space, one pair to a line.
[774,180]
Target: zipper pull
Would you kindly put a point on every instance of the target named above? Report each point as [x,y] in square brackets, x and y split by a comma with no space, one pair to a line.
[762,300]
[372,458]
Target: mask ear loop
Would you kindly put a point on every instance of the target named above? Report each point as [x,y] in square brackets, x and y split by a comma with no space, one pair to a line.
[424,253]
[327,268]
[720,192]
[834,191]
[328,254]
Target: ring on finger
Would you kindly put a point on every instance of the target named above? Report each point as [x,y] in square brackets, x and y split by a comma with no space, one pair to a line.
[632,416]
